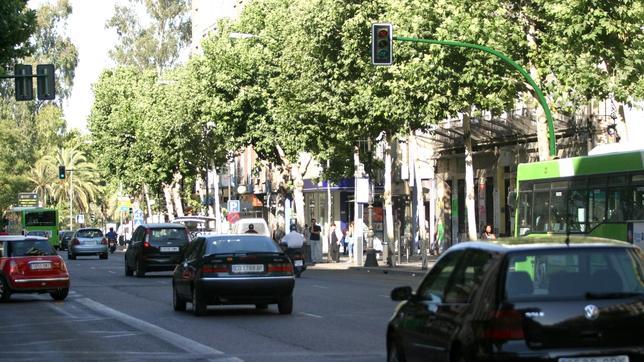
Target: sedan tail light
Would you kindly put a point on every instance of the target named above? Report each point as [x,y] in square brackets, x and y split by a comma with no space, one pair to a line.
[280,268]
[215,268]
[75,242]
[505,325]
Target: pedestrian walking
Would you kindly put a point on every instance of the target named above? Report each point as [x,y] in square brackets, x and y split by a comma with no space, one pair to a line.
[316,242]
[335,245]
[350,237]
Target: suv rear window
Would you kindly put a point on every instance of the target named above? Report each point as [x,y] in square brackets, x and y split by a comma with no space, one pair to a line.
[176,235]
[574,273]
[30,248]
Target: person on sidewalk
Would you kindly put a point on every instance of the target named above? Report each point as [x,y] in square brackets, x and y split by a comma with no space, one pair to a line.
[488,234]
[316,242]
[335,245]
[350,239]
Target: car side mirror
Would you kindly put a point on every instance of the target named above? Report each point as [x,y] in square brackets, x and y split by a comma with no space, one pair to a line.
[401,293]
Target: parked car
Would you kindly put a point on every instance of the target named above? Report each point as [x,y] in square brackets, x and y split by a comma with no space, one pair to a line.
[572,300]
[29,264]
[155,247]
[65,237]
[258,224]
[87,241]
[233,269]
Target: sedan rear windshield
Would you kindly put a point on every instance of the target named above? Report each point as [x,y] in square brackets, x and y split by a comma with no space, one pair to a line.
[89,233]
[241,245]
[30,248]
[163,236]
[574,273]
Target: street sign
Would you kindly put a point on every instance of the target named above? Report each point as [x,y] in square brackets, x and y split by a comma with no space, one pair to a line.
[137,216]
[234,206]
[80,219]
[27,199]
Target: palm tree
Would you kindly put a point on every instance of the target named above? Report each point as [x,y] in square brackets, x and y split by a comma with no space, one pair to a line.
[81,180]
[43,177]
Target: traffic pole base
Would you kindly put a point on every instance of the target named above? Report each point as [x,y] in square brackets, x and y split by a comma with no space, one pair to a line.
[371,259]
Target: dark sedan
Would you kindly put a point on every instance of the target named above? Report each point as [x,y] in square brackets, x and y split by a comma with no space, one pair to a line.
[233,269]
[580,299]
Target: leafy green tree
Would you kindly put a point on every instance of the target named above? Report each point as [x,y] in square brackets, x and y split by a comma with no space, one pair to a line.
[17,23]
[157,45]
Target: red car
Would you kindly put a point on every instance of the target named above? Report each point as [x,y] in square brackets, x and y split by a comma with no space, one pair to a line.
[29,264]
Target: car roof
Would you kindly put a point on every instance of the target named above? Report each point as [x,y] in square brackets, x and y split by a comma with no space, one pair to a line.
[252,220]
[236,236]
[21,238]
[163,226]
[504,245]
[88,228]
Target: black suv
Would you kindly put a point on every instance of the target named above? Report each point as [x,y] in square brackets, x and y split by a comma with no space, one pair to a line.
[65,237]
[155,247]
[566,300]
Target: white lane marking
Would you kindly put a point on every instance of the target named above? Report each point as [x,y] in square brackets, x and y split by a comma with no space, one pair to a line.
[122,335]
[45,341]
[111,272]
[310,315]
[384,296]
[226,359]
[320,286]
[172,338]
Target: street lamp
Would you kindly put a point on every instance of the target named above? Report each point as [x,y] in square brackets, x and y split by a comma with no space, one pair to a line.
[371,259]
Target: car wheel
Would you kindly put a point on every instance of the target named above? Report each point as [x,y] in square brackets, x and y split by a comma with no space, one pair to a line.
[128,271]
[394,353]
[198,305]
[5,292]
[60,294]
[71,256]
[178,304]
[298,274]
[103,256]
[286,305]
[261,306]
[138,270]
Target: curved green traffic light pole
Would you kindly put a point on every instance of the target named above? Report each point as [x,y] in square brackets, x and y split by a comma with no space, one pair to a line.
[528,78]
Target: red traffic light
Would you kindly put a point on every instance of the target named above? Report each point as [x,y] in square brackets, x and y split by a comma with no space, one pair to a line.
[383,33]
[381,44]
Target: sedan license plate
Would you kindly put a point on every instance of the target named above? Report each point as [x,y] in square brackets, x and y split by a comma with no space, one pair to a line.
[299,263]
[596,359]
[40,266]
[169,248]
[248,268]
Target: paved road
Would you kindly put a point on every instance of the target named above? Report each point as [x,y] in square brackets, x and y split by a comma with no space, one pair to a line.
[338,316]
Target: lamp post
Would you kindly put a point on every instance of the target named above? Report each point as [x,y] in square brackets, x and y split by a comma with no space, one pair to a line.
[371,259]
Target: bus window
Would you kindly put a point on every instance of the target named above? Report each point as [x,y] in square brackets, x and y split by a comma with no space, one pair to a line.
[577,210]
[540,211]
[558,210]
[617,206]
[638,203]
[45,218]
[596,207]
[525,212]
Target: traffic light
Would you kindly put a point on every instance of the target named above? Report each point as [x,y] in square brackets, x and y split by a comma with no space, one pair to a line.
[61,172]
[381,44]
[23,82]
[46,81]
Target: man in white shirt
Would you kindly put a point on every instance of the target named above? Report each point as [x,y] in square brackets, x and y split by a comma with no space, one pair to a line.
[293,239]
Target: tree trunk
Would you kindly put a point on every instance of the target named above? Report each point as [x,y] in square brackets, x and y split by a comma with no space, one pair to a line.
[147,200]
[217,208]
[357,221]
[298,194]
[389,217]
[202,188]
[176,194]
[469,180]
[542,123]
[167,195]
[420,203]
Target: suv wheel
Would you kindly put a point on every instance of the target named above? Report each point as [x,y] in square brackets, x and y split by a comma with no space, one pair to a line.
[394,354]
[198,306]
[286,305]
[138,270]
[60,294]
[128,271]
[5,292]
[177,302]
[103,256]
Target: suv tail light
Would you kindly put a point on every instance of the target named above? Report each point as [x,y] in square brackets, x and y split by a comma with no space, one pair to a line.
[104,241]
[146,241]
[505,325]
[280,268]
[75,242]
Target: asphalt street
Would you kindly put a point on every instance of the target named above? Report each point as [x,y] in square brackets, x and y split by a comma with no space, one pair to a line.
[339,315]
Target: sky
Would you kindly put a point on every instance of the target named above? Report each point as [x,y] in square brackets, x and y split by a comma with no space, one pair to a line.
[86,28]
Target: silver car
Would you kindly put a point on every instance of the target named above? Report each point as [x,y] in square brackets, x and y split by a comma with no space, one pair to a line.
[87,241]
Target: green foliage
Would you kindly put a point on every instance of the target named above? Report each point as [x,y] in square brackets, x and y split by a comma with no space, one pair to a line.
[17,23]
[157,45]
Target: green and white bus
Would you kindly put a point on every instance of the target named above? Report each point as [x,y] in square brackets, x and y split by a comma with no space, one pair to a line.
[599,195]
[34,221]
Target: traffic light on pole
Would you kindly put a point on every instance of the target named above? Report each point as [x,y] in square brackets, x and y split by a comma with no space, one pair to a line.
[23,82]
[46,81]
[381,44]
[61,172]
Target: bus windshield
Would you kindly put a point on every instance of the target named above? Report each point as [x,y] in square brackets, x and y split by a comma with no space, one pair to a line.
[40,218]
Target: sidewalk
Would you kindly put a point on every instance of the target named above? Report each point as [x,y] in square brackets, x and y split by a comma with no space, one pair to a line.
[414,267]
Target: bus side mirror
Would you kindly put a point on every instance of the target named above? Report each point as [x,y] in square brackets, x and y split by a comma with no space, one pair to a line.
[512,200]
